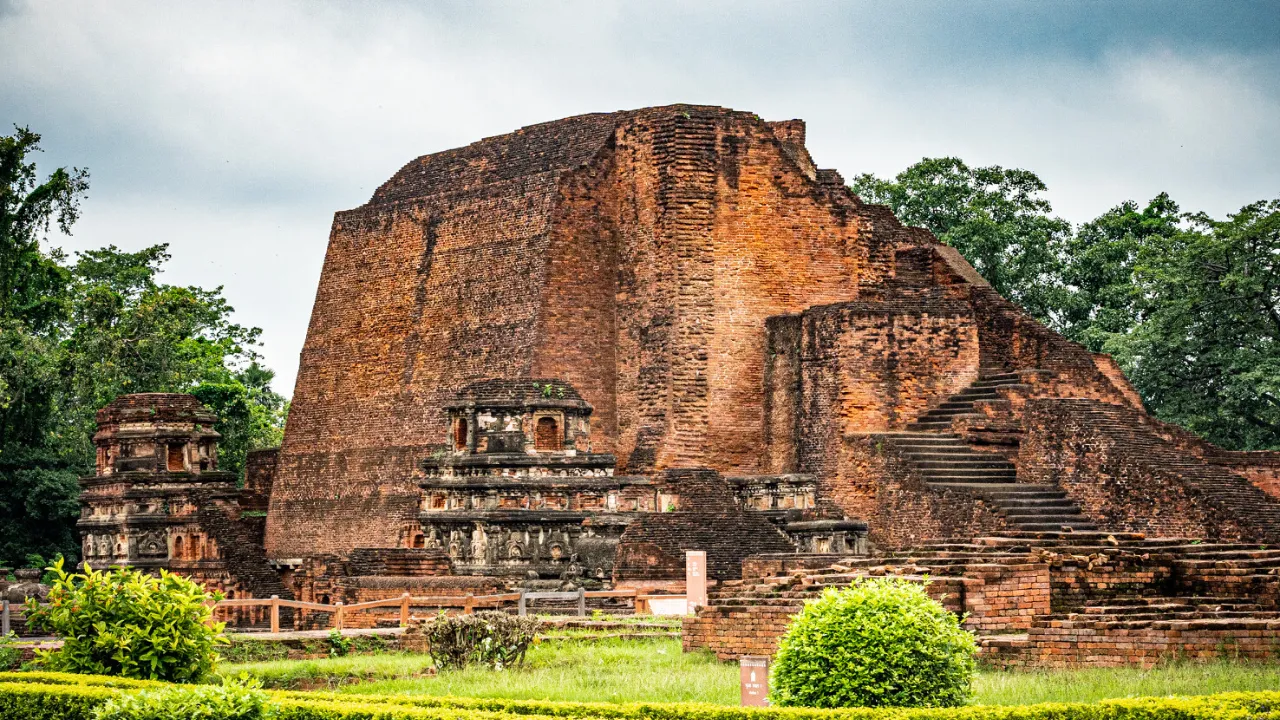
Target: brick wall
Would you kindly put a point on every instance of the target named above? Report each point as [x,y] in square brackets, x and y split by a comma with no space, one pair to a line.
[653,547]
[1112,463]
[636,255]
[871,482]
[881,363]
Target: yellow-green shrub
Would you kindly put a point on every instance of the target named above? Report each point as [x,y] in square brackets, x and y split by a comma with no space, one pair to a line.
[127,623]
[232,700]
[882,642]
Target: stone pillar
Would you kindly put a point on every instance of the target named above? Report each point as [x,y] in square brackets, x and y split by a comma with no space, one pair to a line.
[695,579]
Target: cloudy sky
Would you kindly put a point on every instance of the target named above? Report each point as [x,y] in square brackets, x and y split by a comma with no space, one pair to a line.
[233,131]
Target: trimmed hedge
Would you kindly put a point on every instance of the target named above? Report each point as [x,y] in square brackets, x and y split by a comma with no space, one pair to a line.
[33,701]
[59,696]
[1224,706]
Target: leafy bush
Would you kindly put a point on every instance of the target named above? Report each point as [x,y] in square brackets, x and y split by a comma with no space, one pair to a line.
[490,638]
[10,653]
[881,642]
[124,622]
[339,644]
[233,700]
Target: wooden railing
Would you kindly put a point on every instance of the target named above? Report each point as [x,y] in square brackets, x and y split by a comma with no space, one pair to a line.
[465,603]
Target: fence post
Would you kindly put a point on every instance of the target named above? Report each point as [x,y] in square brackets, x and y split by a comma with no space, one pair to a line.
[337,616]
[524,605]
[4,621]
[469,605]
[582,602]
[275,613]
[404,610]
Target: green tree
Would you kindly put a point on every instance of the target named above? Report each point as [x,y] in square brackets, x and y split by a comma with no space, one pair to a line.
[250,414]
[1206,353]
[134,334]
[996,217]
[74,336]
[37,475]
[1104,300]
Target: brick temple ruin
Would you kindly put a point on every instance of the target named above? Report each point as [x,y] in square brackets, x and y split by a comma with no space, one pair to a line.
[573,352]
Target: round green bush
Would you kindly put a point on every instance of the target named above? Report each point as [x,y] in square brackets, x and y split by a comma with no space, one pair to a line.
[881,642]
[127,623]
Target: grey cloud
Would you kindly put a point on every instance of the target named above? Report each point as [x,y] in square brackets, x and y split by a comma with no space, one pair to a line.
[234,130]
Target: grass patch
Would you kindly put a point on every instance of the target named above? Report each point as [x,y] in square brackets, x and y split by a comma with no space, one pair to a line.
[331,672]
[657,671]
[1093,684]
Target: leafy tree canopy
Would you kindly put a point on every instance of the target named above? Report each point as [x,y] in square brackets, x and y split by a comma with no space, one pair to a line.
[74,335]
[1186,303]
[996,218]
[1205,353]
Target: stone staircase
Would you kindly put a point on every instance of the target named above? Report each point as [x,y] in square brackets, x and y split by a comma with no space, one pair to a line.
[939,418]
[1213,484]
[1113,598]
[945,461]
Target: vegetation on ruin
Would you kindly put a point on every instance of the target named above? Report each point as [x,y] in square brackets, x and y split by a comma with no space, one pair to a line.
[75,333]
[1189,305]
[130,624]
[883,642]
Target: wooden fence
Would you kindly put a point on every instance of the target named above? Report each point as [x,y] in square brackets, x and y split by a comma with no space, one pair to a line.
[339,612]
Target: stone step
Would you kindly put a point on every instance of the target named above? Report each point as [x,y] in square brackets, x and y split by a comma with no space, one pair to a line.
[1231,563]
[1007,378]
[1226,552]
[1007,489]
[1054,503]
[967,478]
[967,463]
[939,413]
[1082,524]
[1063,518]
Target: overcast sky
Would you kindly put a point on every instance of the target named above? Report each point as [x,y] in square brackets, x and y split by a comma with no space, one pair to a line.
[234,131]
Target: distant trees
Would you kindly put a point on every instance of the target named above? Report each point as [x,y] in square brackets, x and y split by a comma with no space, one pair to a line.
[1188,305]
[73,335]
[994,216]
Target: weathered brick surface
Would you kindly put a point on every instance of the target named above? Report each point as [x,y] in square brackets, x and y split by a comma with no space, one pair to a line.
[1056,600]
[158,501]
[872,482]
[634,255]
[1114,464]
[653,547]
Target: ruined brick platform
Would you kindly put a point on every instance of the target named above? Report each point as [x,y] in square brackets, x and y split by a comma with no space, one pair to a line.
[570,353]
[1037,599]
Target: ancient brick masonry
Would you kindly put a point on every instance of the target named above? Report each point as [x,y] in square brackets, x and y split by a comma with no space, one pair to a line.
[572,352]
[1048,599]
[634,255]
[159,501]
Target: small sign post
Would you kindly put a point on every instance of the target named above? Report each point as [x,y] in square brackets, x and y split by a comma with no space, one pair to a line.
[695,579]
[753,675]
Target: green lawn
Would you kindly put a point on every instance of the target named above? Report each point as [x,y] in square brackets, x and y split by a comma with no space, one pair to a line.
[657,671]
